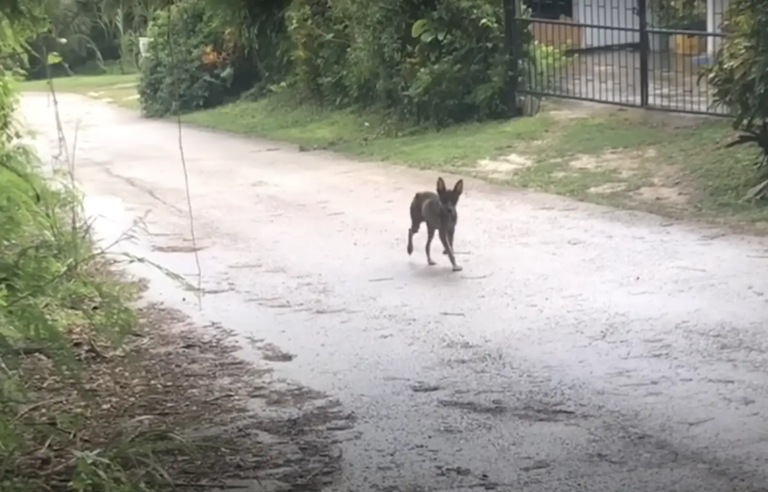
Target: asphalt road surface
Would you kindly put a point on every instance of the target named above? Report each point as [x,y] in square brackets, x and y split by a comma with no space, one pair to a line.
[580,349]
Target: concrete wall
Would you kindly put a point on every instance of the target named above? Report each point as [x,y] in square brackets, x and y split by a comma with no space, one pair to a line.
[608,13]
[715,10]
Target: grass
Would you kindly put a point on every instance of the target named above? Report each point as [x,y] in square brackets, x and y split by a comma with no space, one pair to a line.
[54,293]
[115,88]
[659,162]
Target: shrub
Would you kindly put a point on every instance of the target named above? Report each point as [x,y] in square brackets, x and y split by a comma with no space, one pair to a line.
[192,60]
[319,51]
[48,292]
[541,66]
[261,27]
[457,65]
[53,294]
[440,61]
[739,76]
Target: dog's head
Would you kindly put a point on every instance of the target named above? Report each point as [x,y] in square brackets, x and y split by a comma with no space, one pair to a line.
[449,198]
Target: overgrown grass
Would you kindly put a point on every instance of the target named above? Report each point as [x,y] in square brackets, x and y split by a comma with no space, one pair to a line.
[61,309]
[53,291]
[659,162]
[368,135]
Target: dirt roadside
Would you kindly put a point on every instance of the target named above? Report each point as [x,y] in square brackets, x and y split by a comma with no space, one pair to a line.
[224,424]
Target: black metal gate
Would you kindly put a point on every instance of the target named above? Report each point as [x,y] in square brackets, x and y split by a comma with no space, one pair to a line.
[641,53]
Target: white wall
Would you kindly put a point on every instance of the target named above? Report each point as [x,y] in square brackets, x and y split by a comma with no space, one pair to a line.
[715,10]
[609,13]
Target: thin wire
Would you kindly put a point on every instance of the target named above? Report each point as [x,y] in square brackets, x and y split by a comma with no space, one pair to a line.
[179,126]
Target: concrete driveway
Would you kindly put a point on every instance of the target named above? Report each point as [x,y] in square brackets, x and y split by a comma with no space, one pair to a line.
[581,348]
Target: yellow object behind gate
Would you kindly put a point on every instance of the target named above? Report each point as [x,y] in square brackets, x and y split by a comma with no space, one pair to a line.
[688,45]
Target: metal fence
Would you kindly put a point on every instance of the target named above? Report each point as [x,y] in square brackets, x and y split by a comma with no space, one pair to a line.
[641,53]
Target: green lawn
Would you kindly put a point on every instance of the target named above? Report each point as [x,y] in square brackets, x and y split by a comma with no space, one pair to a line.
[658,162]
[117,89]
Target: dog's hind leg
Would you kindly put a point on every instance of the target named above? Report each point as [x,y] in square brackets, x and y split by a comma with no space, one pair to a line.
[449,248]
[430,236]
[415,223]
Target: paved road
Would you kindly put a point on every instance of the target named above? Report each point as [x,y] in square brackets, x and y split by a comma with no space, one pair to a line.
[581,349]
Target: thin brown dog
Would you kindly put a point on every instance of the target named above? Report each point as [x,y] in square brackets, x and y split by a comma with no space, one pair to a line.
[438,211]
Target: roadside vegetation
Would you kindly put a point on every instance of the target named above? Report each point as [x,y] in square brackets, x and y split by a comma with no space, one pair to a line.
[59,307]
[98,394]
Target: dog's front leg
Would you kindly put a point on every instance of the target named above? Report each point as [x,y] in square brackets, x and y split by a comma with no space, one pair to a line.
[450,241]
[449,249]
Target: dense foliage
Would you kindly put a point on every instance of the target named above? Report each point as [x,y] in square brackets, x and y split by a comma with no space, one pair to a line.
[91,36]
[191,63]
[739,75]
[50,290]
[440,61]
[263,34]
[740,72]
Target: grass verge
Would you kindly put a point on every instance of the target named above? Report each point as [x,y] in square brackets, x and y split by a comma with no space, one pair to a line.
[113,88]
[667,164]
[663,163]
[58,305]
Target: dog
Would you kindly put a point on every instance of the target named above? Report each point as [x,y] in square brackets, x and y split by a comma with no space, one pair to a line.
[438,211]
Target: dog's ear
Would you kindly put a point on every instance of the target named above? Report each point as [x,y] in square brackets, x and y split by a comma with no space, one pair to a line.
[440,186]
[458,188]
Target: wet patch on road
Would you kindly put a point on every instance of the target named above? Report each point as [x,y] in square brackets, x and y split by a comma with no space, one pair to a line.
[526,412]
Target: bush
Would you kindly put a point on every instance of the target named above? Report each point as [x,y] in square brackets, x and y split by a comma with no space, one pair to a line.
[441,61]
[542,65]
[51,293]
[457,70]
[319,51]
[192,61]
[739,76]
[262,29]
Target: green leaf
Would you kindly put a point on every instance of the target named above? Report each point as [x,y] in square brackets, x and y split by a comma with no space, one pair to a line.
[53,58]
[418,28]
[485,22]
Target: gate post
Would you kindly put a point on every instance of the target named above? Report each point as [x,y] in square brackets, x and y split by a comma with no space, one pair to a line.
[512,58]
[642,14]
